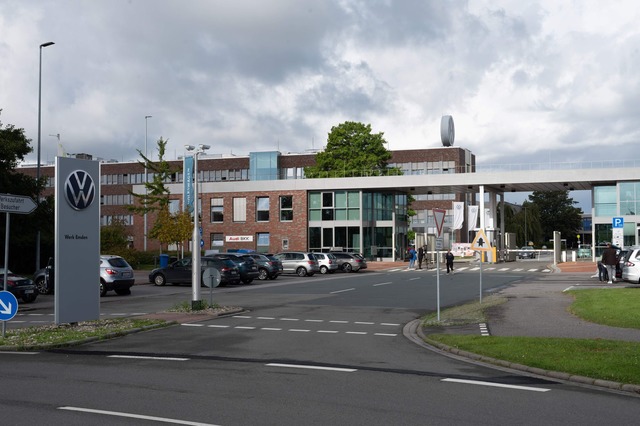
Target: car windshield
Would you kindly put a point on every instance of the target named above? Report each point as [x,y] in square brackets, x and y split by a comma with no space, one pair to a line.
[118,262]
[8,271]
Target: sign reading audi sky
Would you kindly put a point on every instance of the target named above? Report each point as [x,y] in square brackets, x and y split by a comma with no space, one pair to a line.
[77,240]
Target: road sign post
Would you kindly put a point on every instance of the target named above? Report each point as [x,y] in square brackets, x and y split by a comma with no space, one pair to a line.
[438,216]
[20,204]
[481,244]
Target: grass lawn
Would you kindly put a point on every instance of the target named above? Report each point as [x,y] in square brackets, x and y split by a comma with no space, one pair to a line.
[596,358]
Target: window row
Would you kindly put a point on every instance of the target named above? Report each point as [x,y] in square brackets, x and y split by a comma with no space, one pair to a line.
[116,200]
[125,219]
[262,213]
[262,241]
[334,205]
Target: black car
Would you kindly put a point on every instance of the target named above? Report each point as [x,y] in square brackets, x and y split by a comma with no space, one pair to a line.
[179,272]
[267,268]
[43,278]
[21,287]
[247,266]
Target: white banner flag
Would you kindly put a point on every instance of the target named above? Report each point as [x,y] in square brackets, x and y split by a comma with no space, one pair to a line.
[458,214]
[473,217]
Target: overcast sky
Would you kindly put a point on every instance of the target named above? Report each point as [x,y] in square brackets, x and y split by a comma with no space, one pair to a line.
[526,82]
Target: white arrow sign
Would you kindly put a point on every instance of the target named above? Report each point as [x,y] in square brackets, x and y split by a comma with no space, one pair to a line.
[20,204]
[6,310]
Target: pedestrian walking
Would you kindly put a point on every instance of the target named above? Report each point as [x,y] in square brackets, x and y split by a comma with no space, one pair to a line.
[420,257]
[610,260]
[449,261]
[412,258]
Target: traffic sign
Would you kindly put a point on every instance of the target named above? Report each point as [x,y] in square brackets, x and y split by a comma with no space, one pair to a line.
[8,306]
[211,277]
[20,204]
[618,222]
[438,215]
[481,242]
[439,243]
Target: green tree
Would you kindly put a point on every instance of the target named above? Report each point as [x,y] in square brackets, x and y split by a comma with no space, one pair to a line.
[114,238]
[172,228]
[352,150]
[156,196]
[14,146]
[557,213]
[525,224]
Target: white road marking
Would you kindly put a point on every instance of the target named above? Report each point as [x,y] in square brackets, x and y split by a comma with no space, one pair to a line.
[313,320]
[385,334]
[364,323]
[192,325]
[313,367]
[342,291]
[241,316]
[217,326]
[413,279]
[532,270]
[497,385]
[299,330]
[266,318]
[339,322]
[271,329]
[503,269]
[244,328]
[17,352]
[484,331]
[376,285]
[462,268]
[489,269]
[289,319]
[135,416]
[475,268]
[389,323]
[158,358]
[518,269]
[356,332]
[328,331]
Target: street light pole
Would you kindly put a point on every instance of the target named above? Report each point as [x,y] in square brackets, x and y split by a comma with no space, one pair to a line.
[49,43]
[146,179]
[195,238]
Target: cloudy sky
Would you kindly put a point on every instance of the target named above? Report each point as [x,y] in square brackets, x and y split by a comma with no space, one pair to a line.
[526,82]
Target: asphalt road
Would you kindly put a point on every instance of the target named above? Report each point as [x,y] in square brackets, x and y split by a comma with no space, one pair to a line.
[316,350]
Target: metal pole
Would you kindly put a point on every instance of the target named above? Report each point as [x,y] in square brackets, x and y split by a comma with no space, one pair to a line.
[49,43]
[438,281]
[6,266]
[146,179]
[195,247]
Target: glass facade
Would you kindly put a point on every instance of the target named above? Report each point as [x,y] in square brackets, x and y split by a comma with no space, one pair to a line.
[264,165]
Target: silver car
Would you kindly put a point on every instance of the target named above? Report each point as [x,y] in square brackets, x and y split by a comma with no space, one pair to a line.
[115,274]
[350,262]
[298,262]
[327,262]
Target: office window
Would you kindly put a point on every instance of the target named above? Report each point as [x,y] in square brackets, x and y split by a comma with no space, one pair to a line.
[217,240]
[217,210]
[262,209]
[262,244]
[239,209]
[174,206]
[286,208]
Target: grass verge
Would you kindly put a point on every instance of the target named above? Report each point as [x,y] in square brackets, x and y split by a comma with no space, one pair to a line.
[617,361]
[66,334]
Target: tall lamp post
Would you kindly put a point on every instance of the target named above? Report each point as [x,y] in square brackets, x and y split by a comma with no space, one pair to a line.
[49,43]
[195,249]
[146,180]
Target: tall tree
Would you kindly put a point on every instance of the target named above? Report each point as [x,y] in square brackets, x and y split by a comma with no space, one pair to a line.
[557,213]
[14,146]
[352,150]
[156,198]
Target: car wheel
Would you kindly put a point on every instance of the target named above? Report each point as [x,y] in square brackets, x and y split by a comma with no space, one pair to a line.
[263,274]
[159,280]
[123,291]
[347,267]
[29,298]
[301,271]
[103,289]
[41,283]
[324,269]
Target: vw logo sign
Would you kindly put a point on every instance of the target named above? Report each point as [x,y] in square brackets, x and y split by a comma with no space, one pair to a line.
[79,190]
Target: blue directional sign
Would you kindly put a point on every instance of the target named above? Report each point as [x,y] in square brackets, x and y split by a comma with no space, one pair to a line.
[8,306]
[618,222]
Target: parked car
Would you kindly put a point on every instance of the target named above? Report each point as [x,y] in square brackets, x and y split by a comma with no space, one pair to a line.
[21,287]
[275,260]
[631,268]
[115,275]
[179,272]
[327,262]
[620,265]
[245,263]
[527,252]
[298,262]
[43,278]
[350,262]
[267,268]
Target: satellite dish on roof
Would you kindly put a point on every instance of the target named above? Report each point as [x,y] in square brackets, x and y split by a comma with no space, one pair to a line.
[447,131]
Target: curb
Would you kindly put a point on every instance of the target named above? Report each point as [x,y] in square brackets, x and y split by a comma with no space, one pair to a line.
[414,332]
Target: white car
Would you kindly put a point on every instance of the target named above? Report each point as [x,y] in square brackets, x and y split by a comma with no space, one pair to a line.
[631,265]
[327,262]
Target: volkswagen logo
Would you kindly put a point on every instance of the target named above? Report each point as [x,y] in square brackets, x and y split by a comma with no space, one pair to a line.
[79,190]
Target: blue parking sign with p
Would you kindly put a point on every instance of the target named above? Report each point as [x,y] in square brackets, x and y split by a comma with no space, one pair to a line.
[618,222]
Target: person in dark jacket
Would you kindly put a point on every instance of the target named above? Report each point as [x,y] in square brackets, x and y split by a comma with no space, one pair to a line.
[610,260]
[420,257]
[449,260]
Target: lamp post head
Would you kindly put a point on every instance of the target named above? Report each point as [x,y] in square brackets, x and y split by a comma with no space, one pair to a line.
[49,43]
[147,116]
[203,147]
[189,147]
